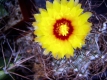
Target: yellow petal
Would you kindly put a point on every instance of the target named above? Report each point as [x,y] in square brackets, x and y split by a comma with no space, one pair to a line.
[43,12]
[84,30]
[75,42]
[79,10]
[49,4]
[76,2]
[37,17]
[35,26]
[55,55]
[84,17]
[69,55]
[56,6]
[70,4]
[64,2]
[46,52]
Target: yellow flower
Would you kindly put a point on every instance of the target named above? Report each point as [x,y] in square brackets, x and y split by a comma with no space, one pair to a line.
[62,27]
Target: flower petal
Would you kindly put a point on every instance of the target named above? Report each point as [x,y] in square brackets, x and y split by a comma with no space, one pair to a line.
[70,4]
[84,17]
[64,2]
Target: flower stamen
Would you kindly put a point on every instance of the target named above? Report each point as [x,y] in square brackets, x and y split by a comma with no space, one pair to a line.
[62,29]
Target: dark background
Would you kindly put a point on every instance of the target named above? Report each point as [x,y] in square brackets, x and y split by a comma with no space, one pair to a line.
[99,6]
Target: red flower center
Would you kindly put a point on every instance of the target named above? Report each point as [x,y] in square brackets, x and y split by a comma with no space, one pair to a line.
[63,29]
